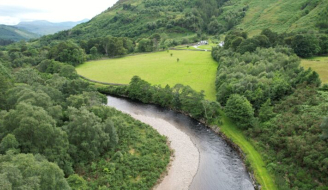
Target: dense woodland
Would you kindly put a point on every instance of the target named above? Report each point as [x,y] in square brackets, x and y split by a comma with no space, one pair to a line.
[278,104]
[55,132]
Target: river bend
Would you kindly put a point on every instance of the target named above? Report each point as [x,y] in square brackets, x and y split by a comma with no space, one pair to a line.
[219,167]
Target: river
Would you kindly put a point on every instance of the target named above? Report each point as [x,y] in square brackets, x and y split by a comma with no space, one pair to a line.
[219,167]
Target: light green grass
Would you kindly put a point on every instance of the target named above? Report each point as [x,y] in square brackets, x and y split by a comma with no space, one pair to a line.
[318,64]
[207,47]
[184,47]
[195,68]
[255,159]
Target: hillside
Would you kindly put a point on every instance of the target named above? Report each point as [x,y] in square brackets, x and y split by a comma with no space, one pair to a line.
[184,18]
[15,34]
[43,27]
[279,16]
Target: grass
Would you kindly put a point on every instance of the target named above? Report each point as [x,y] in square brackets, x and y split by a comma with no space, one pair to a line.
[184,47]
[195,68]
[318,64]
[278,15]
[255,159]
[207,47]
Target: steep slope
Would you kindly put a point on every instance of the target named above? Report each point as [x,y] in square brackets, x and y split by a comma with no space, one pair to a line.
[43,27]
[15,34]
[176,18]
[280,16]
[136,18]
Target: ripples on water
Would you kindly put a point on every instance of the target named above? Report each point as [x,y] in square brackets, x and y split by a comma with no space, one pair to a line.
[220,167]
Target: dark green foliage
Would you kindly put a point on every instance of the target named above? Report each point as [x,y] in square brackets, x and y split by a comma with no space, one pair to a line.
[67,52]
[28,76]
[77,182]
[139,90]
[323,42]
[322,21]
[107,46]
[53,113]
[292,140]
[88,136]
[305,45]
[145,45]
[5,84]
[266,111]
[142,156]
[88,99]
[265,73]
[240,111]
[36,132]
[26,171]
[9,142]
[324,127]
[181,98]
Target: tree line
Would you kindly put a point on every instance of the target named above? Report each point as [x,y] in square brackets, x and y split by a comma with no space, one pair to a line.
[179,97]
[304,44]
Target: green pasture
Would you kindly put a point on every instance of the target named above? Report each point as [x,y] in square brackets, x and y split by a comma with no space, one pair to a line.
[318,64]
[194,68]
[184,47]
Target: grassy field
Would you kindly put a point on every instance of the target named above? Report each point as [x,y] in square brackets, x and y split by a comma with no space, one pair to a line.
[184,47]
[253,156]
[318,64]
[195,68]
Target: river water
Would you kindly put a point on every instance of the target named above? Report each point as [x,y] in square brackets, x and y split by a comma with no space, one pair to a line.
[220,167]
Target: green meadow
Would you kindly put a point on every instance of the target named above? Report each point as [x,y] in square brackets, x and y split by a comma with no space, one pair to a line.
[194,68]
[318,64]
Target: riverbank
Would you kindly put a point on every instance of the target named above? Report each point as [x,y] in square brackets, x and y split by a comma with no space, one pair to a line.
[184,166]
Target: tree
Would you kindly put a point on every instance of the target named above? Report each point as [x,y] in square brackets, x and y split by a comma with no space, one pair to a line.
[25,171]
[67,52]
[9,142]
[145,45]
[36,132]
[68,71]
[77,182]
[324,127]
[272,36]
[305,45]
[88,136]
[214,27]
[323,44]
[240,110]
[5,84]
[266,111]
[28,76]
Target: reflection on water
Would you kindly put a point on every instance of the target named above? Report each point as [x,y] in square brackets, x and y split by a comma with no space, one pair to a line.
[220,167]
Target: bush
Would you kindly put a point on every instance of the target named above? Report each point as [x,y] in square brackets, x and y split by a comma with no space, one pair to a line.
[240,110]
